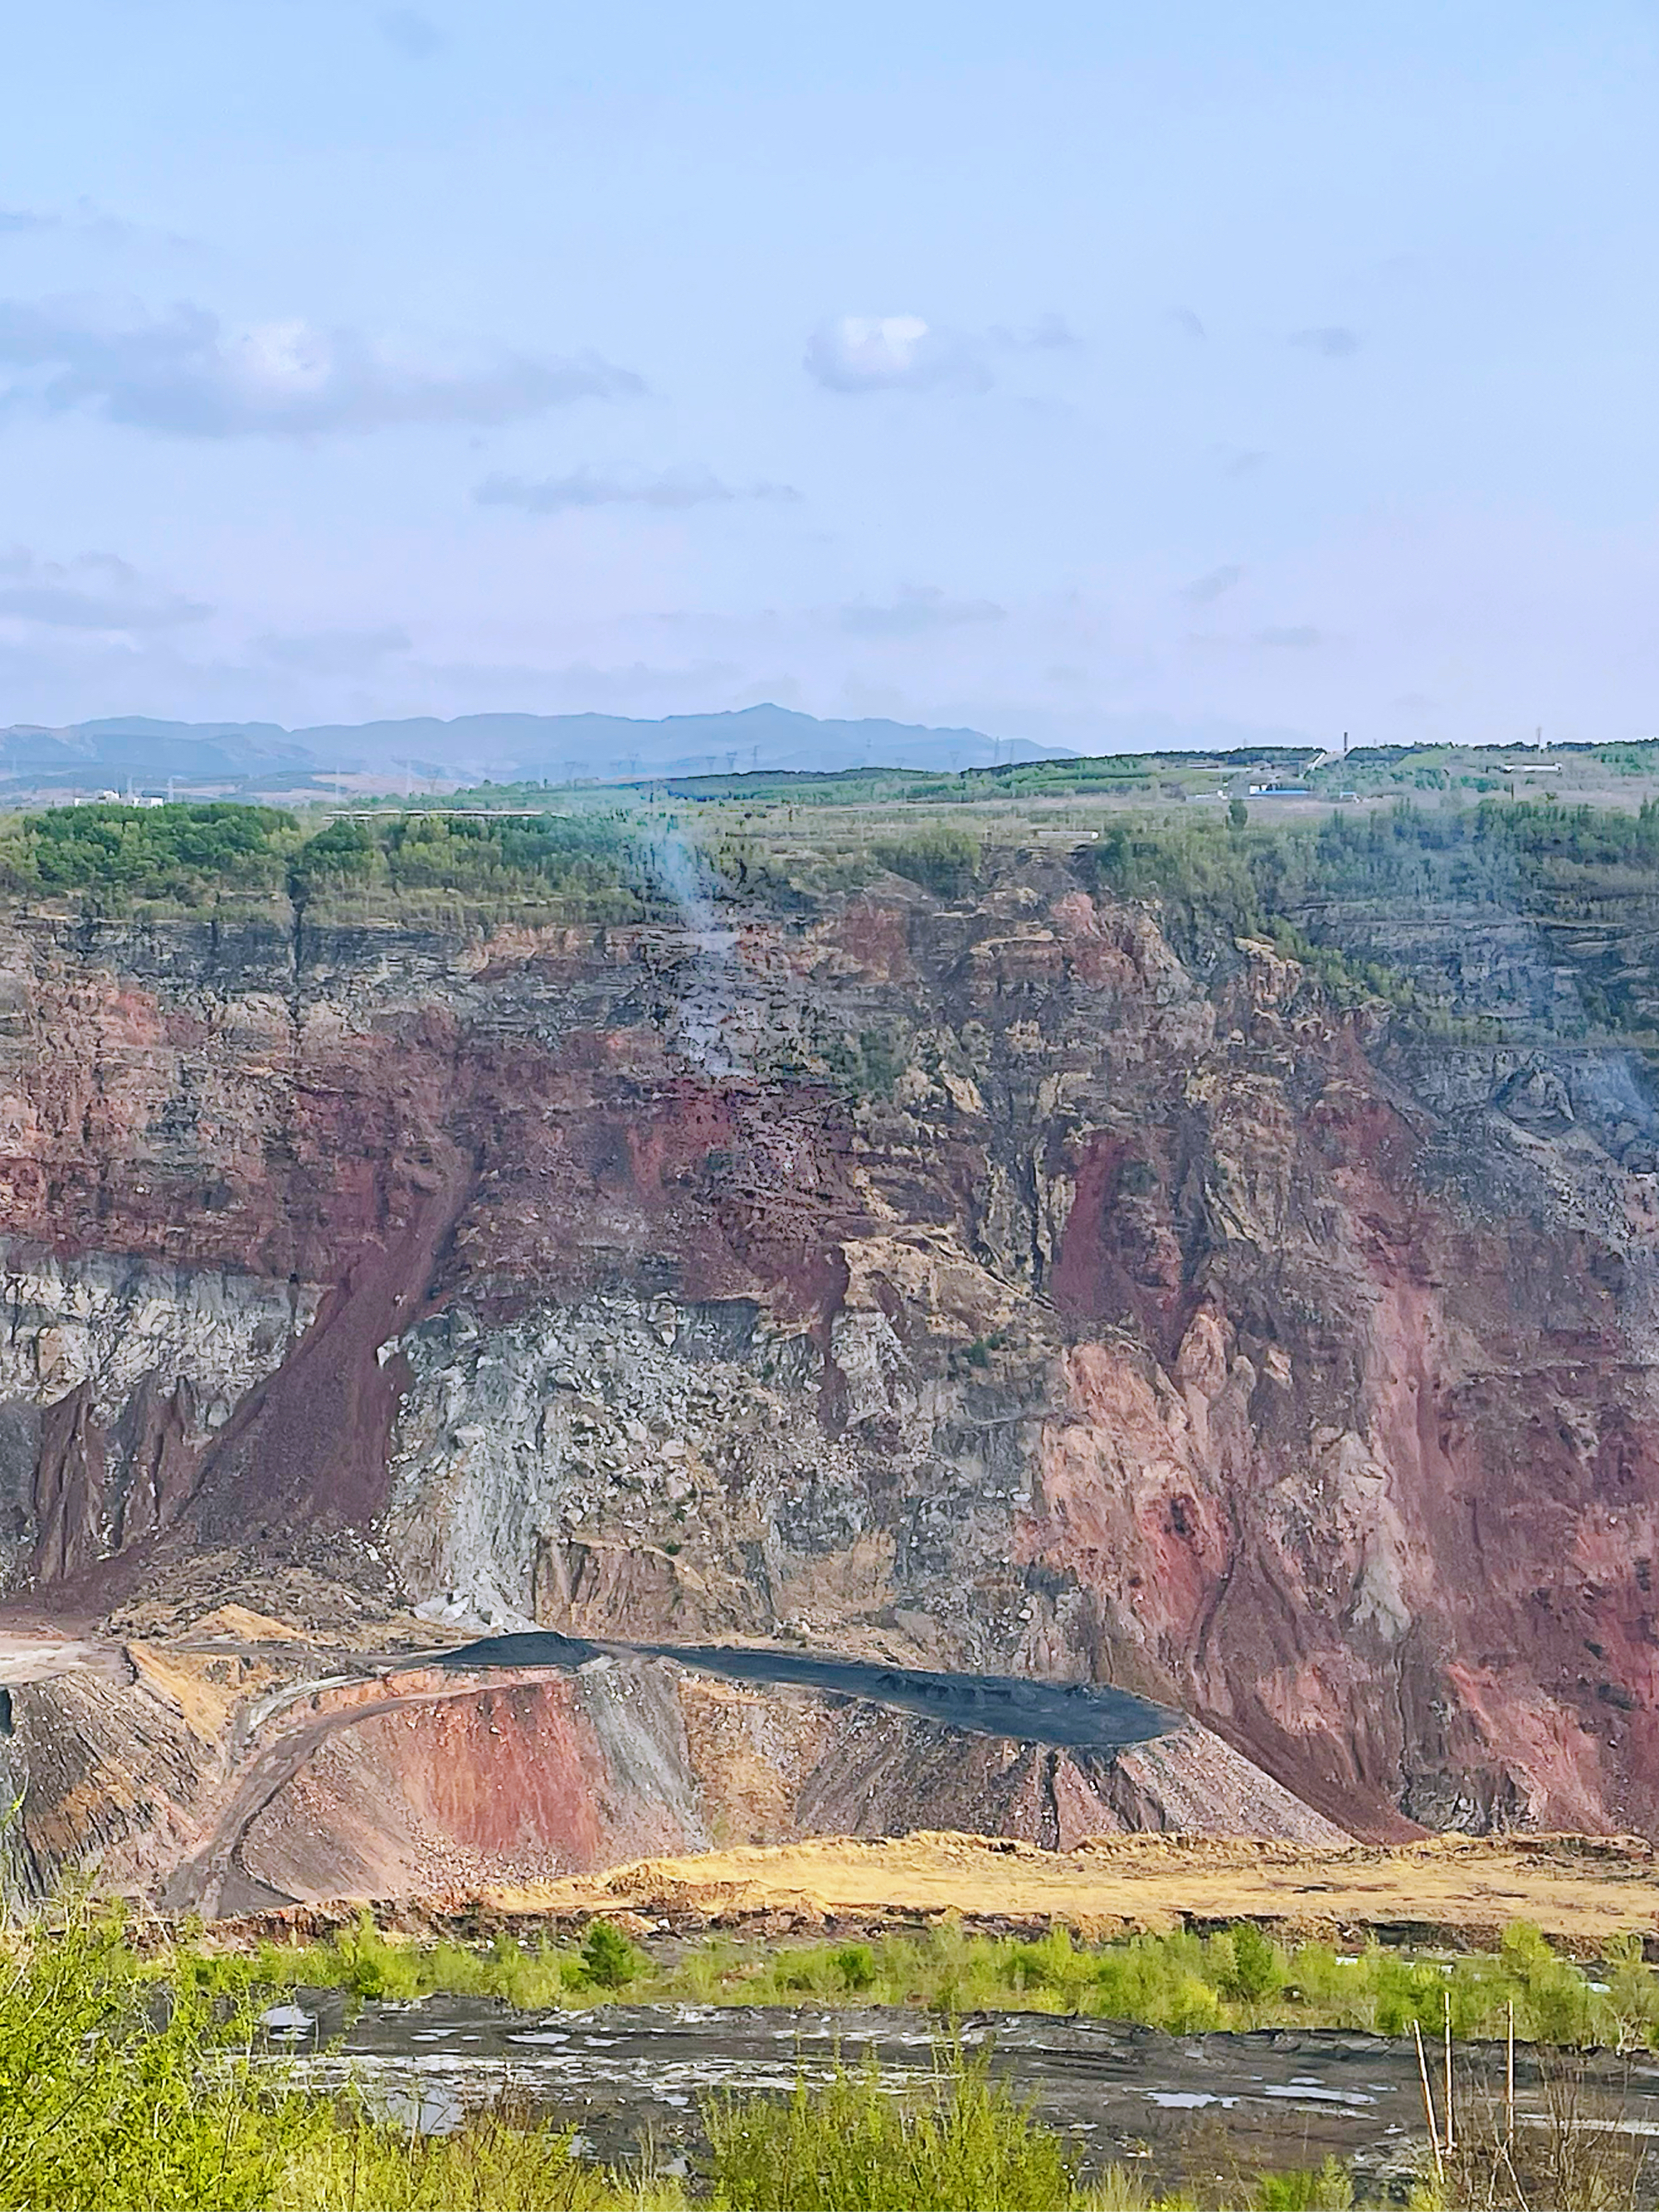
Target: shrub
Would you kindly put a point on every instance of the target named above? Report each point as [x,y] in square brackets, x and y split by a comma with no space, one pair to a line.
[1236,1978]
[488,2165]
[1325,2188]
[609,1960]
[110,854]
[943,861]
[588,865]
[1258,1967]
[856,1965]
[121,2092]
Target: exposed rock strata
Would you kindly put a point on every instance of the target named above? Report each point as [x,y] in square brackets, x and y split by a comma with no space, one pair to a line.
[215,1780]
[1006,1294]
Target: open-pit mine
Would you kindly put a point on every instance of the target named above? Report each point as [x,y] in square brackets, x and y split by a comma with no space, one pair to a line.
[483,1401]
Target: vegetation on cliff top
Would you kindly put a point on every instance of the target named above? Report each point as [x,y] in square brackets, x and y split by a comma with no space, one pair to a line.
[1298,885]
[110,859]
[588,867]
[117,852]
[1316,889]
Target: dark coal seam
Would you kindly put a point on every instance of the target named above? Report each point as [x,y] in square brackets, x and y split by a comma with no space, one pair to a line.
[1072,1716]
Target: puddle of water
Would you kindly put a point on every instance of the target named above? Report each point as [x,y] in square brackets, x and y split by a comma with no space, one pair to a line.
[424,2106]
[1314,2093]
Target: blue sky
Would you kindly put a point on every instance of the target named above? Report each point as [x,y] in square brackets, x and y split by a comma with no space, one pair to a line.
[1083,372]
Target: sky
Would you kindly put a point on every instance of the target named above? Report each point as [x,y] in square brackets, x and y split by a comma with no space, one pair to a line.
[1095,374]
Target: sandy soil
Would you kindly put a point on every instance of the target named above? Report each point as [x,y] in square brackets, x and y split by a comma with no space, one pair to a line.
[38,1654]
[1579,1890]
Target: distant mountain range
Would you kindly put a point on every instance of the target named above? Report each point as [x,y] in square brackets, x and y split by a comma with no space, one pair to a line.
[134,750]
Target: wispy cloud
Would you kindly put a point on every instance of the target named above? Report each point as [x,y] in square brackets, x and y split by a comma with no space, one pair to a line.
[335,652]
[189,373]
[1184,320]
[1203,589]
[672,489]
[84,220]
[93,591]
[411,33]
[1050,333]
[1335,340]
[915,611]
[1295,637]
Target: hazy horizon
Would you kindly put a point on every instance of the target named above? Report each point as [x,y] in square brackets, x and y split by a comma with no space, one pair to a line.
[1053,377]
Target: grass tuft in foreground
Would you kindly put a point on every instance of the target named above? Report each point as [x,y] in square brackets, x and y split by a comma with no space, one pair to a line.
[123,2093]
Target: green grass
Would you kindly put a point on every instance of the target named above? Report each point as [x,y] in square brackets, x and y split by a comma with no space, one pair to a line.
[961,2140]
[130,2083]
[368,1964]
[1237,1978]
[494,2163]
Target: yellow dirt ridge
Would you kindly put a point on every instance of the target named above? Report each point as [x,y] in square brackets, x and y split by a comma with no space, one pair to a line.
[1577,1889]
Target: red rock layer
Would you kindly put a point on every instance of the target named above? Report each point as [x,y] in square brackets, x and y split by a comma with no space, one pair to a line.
[1326,1410]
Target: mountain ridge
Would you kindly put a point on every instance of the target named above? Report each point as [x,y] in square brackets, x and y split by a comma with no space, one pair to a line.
[510,747]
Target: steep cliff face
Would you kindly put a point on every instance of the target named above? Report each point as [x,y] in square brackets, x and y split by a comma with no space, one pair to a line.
[978,1285]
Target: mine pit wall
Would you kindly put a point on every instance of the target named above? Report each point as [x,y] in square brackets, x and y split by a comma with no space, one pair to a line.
[100,1778]
[575,1773]
[116,1374]
[147,1783]
[1021,1300]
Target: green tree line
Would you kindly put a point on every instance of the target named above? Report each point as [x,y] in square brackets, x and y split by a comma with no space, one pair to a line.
[108,858]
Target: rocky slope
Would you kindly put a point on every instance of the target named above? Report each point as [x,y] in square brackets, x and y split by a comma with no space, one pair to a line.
[977,1284]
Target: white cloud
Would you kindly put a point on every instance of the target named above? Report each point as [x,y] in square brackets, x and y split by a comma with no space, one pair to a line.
[892,353]
[905,353]
[189,373]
